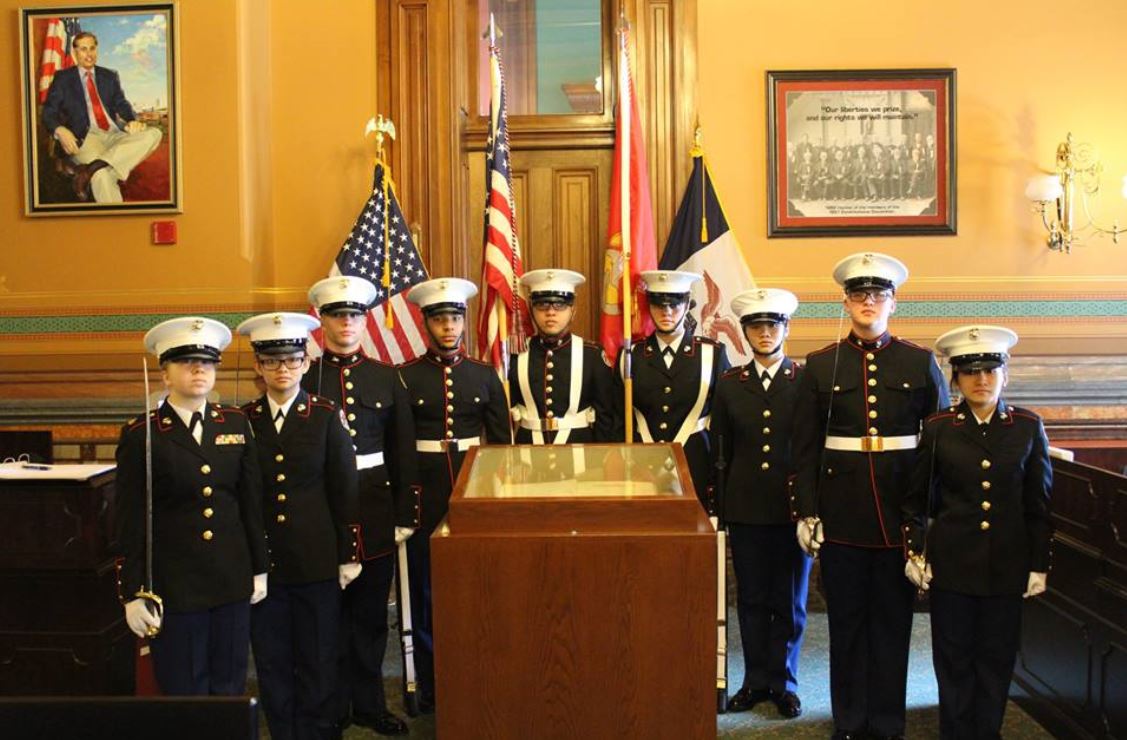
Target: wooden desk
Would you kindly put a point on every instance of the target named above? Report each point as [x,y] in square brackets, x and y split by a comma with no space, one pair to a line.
[564,607]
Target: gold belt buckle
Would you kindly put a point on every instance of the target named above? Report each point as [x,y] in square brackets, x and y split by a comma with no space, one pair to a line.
[549,424]
[445,444]
[872,444]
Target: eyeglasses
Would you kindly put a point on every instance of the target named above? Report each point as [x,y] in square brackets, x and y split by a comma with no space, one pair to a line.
[550,305]
[877,296]
[273,363]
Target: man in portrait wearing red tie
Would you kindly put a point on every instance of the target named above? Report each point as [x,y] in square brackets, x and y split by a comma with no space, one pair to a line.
[87,113]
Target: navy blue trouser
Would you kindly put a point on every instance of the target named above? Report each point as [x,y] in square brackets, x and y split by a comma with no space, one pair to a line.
[869,605]
[203,652]
[294,632]
[772,577]
[974,642]
[363,639]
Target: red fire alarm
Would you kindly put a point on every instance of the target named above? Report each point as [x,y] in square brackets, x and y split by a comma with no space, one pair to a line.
[164,232]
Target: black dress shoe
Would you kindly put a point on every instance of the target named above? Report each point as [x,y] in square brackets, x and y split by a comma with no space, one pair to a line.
[788,704]
[384,723]
[746,698]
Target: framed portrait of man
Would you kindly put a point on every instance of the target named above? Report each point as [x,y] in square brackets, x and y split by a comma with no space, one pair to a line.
[101,113]
[861,152]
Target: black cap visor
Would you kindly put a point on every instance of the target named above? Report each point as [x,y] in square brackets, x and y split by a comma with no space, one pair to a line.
[667,299]
[763,317]
[437,309]
[190,352]
[978,361]
[869,281]
[344,307]
[279,346]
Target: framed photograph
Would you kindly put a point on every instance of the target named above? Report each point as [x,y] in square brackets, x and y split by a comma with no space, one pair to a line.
[101,112]
[861,152]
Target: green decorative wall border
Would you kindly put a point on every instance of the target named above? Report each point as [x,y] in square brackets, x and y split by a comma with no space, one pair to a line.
[910,309]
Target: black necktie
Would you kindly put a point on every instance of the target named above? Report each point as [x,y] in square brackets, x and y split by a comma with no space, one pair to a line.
[197,418]
[765,378]
[279,419]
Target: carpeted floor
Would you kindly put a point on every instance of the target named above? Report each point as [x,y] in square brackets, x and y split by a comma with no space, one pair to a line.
[763,720]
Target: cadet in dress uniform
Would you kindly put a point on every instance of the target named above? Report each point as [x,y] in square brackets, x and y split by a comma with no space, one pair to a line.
[752,419]
[675,374]
[560,387]
[379,424]
[208,544]
[309,486]
[457,403]
[984,478]
[861,402]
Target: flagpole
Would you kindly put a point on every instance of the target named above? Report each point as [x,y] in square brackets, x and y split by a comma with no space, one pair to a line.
[624,111]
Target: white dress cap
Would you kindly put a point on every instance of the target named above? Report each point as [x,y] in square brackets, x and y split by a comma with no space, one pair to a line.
[278,332]
[676,282]
[551,282]
[771,304]
[188,337]
[342,292]
[977,347]
[870,270]
[439,294]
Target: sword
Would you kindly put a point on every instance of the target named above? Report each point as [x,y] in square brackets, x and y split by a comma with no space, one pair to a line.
[152,602]
[406,635]
[721,584]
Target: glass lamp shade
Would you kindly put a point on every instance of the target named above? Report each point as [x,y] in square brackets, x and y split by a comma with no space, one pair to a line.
[1046,187]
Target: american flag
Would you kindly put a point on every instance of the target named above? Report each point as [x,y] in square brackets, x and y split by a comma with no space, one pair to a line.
[501,265]
[56,51]
[393,271]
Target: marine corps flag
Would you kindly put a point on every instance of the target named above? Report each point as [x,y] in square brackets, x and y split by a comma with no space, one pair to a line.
[631,227]
[700,241]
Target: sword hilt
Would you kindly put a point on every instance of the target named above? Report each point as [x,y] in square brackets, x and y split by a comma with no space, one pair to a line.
[155,606]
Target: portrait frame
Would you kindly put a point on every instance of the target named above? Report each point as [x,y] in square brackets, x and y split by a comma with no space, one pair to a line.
[138,73]
[861,152]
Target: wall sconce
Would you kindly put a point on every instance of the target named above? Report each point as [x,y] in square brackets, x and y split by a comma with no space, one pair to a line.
[1055,197]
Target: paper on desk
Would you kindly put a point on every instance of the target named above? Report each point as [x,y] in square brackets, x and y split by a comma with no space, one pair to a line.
[35,471]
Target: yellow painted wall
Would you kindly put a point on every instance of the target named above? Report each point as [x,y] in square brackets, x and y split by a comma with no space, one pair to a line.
[1028,73]
[275,95]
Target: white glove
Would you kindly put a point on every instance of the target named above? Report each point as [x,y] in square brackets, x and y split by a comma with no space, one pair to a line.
[810,537]
[259,588]
[402,534]
[918,572]
[347,573]
[1037,585]
[140,619]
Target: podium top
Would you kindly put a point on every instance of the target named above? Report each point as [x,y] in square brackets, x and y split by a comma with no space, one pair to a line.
[574,471]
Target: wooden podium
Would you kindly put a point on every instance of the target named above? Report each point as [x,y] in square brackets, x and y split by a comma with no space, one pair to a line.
[574,592]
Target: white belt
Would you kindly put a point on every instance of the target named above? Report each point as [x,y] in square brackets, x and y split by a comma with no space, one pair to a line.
[555,423]
[873,443]
[644,428]
[371,460]
[442,445]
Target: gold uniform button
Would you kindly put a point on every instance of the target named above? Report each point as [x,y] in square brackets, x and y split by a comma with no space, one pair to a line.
[765,466]
[550,414]
[449,394]
[985,464]
[352,417]
[281,498]
[548,389]
[667,389]
[349,400]
[549,377]
[279,457]
[205,468]
[550,365]
[281,518]
[548,401]
[766,430]
[352,432]
[208,513]
[872,431]
[870,356]
[449,382]
[872,381]
[837,388]
[280,477]
[663,425]
[873,414]
[346,372]
[984,525]
[986,485]
[449,434]
[872,399]
[665,409]
[872,368]
[450,407]
[214,414]
[766,413]
[986,506]
[206,491]
[447,370]
[766,448]
[548,353]
[348,385]
[207,535]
